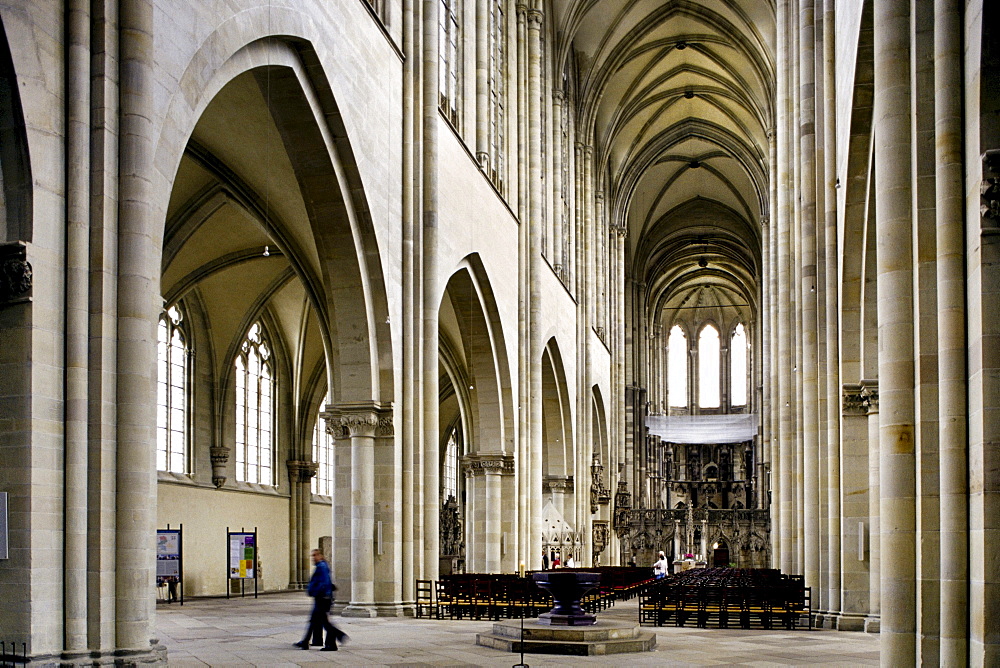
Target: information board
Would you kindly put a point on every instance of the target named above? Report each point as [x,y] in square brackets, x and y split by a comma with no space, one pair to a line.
[168,555]
[242,556]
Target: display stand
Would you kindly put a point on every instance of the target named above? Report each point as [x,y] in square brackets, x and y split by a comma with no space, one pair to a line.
[241,557]
[170,562]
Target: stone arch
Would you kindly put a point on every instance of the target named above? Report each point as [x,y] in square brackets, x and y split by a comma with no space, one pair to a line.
[15,163]
[857,185]
[470,322]
[346,282]
[559,454]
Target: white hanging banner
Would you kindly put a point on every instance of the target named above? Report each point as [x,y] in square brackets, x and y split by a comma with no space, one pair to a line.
[711,429]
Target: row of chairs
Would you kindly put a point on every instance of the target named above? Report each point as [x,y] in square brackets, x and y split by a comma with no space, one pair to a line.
[762,600]
[507,596]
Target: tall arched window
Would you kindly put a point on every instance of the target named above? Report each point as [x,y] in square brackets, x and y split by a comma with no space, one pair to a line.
[255,409]
[677,368]
[171,393]
[322,482]
[449,470]
[738,354]
[708,368]
[449,58]
[498,90]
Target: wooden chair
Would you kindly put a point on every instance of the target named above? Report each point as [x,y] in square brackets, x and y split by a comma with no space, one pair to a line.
[425,599]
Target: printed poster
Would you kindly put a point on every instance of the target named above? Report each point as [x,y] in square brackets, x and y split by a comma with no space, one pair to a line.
[241,556]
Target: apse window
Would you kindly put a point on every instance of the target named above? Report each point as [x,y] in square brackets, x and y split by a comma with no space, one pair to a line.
[255,409]
[322,482]
[739,352]
[677,357]
[171,393]
[708,368]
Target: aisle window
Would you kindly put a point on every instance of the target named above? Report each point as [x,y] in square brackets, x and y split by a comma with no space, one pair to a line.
[255,409]
[322,482]
[171,393]
[449,470]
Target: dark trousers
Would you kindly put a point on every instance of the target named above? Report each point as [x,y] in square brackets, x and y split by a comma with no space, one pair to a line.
[318,621]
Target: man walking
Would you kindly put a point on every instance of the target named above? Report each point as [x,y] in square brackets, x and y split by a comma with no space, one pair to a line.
[321,589]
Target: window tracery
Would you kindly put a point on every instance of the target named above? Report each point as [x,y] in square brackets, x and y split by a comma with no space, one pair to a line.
[171,393]
[255,409]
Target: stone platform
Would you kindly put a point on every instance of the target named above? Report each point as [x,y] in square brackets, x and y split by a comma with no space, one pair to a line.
[604,637]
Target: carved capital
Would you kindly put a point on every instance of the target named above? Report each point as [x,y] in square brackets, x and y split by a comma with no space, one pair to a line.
[989,191]
[360,419]
[301,471]
[853,402]
[556,483]
[869,392]
[558,96]
[492,463]
[534,18]
[15,274]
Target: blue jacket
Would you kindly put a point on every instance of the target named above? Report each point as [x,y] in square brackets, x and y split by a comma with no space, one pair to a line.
[320,584]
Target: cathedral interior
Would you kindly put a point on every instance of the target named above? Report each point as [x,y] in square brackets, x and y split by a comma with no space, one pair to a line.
[445,286]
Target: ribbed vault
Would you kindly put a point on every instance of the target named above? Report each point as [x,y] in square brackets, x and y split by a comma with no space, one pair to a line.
[677,98]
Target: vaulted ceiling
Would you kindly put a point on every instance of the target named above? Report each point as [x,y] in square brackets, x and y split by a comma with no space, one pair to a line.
[677,98]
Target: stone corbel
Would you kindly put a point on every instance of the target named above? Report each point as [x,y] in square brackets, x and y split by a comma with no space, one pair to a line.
[219,455]
[15,275]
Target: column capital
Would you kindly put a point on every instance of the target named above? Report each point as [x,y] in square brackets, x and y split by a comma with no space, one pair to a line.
[363,418]
[558,95]
[492,463]
[534,17]
[853,403]
[301,470]
[869,392]
[557,483]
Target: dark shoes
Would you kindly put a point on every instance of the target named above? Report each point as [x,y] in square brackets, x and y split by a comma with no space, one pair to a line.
[331,648]
[302,644]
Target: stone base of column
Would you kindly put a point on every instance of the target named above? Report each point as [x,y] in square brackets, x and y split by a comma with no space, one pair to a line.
[394,610]
[872,624]
[359,610]
[847,621]
[156,655]
[819,618]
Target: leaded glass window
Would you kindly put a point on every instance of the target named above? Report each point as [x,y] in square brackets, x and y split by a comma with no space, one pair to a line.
[171,393]
[255,409]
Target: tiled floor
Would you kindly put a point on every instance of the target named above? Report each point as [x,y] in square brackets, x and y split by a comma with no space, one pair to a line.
[249,632]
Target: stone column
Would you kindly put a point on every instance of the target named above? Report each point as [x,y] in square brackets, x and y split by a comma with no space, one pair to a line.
[557,183]
[536,228]
[484,474]
[359,421]
[951,295]
[894,238]
[809,407]
[786,484]
[340,528]
[430,481]
[854,604]
[75,567]
[482,10]
[833,461]
[869,395]
[300,475]
[138,307]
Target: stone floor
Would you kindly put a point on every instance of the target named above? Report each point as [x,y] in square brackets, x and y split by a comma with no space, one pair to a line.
[249,632]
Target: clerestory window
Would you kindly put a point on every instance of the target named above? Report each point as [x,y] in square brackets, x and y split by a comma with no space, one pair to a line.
[739,351]
[709,350]
[449,59]
[677,368]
